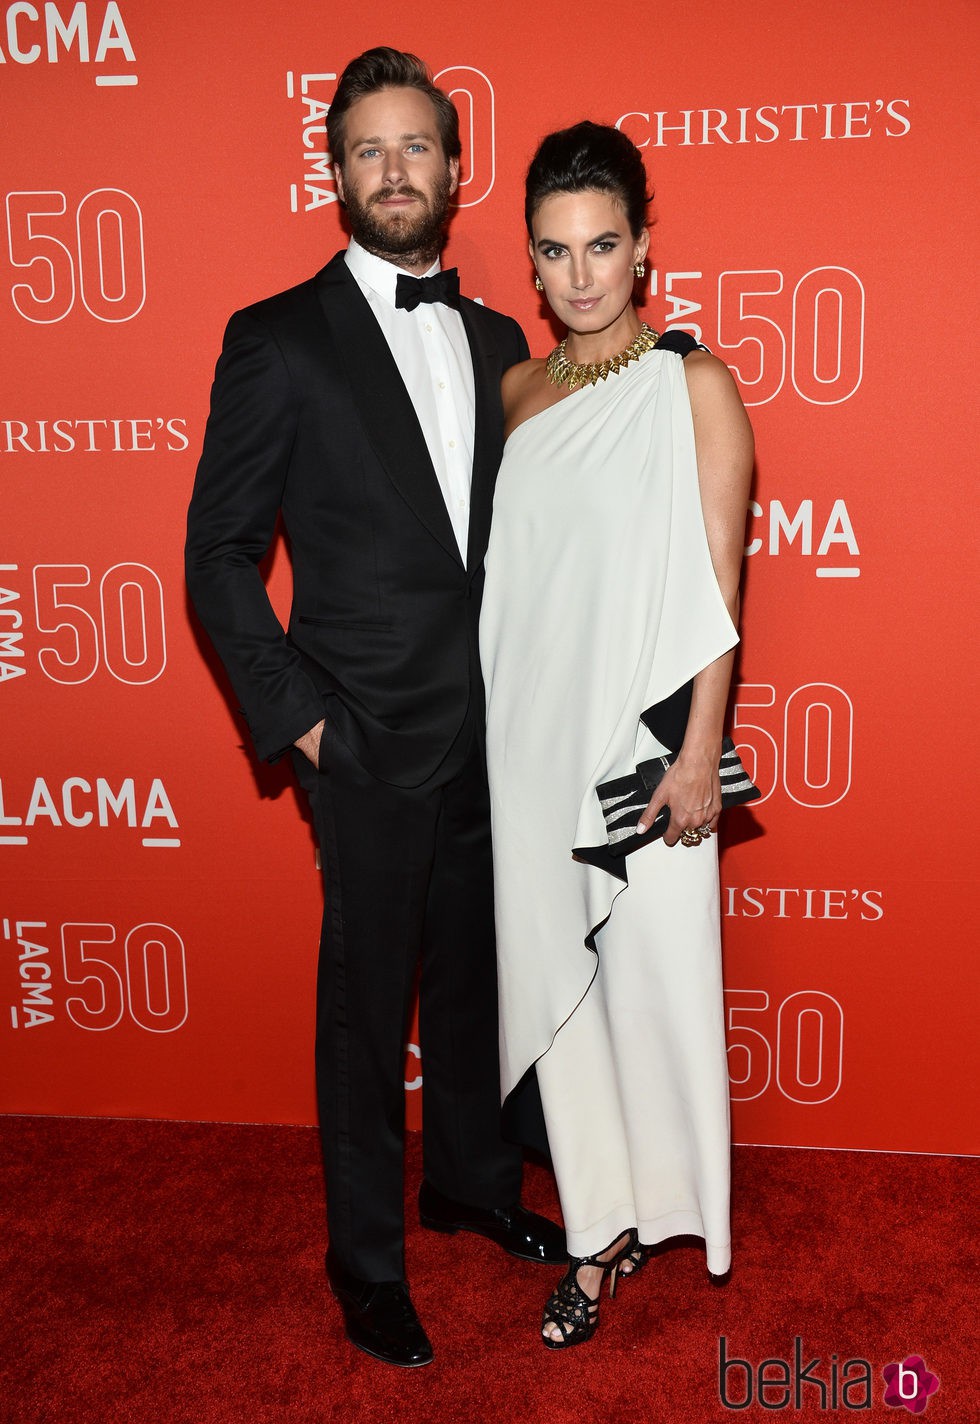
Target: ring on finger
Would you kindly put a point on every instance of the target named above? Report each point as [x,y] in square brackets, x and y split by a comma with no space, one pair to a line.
[691,837]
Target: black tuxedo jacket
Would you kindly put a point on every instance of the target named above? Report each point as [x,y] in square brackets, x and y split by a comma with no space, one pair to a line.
[310,418]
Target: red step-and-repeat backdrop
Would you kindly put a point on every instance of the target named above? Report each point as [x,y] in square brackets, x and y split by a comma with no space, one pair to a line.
[165,164]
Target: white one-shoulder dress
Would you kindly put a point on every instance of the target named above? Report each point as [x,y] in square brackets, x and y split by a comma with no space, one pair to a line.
[600,601]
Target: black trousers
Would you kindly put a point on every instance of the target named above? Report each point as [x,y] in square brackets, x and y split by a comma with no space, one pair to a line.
[407,880]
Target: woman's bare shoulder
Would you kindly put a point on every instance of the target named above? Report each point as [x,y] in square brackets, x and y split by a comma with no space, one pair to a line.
[708,376]
[525,391]
[518,379]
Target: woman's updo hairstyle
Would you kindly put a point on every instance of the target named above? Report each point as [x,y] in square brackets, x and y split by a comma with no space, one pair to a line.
[593,158]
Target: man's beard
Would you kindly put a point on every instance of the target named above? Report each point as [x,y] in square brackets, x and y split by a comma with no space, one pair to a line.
[417,236]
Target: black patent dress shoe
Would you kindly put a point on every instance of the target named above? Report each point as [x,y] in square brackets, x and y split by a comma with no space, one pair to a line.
[380,1318]
[523,1233]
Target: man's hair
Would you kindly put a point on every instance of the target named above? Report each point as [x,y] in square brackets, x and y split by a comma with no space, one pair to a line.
[386,68]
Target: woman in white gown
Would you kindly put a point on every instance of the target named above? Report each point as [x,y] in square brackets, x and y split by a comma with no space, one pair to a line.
[612,588]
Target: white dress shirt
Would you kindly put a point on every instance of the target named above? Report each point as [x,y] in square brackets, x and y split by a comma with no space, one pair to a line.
[433,357]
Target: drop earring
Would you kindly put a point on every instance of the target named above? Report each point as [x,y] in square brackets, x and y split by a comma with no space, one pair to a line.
[538,283]
[639,271]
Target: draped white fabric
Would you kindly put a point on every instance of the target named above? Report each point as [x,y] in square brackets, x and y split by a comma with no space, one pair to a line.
[600,601]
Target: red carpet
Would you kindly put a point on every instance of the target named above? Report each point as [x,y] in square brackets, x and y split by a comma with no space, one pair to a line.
[171,1273]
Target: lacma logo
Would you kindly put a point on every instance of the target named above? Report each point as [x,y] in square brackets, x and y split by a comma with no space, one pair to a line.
[826,534]
[50,33]
[78,803]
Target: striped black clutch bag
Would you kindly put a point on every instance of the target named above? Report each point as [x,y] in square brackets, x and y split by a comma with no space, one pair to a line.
[624,799]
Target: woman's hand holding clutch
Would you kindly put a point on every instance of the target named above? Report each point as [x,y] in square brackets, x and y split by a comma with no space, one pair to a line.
[691,789]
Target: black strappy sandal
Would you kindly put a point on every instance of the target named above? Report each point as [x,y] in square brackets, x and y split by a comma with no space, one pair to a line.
[575,1313]
[636,1260]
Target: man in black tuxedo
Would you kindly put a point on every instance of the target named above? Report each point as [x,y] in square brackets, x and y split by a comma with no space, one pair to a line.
[363,405]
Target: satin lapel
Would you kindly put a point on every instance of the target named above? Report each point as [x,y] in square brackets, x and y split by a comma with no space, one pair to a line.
[487,433]
[381,401]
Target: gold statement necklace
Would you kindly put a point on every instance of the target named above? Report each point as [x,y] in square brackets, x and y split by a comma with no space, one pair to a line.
[561,371]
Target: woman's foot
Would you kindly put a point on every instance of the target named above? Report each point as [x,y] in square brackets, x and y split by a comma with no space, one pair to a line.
[635,1261]
[572,1312]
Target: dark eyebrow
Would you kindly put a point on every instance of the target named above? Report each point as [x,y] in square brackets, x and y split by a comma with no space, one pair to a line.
[402,138]
[552,242]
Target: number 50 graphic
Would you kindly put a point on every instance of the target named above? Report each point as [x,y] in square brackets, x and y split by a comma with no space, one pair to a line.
[129,638]
[809,1050]
[105,262]
[826,334]
[812,748]
[148,977]
[472,93]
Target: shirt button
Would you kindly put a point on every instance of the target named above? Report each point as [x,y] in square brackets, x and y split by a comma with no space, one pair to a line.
[442,385]
[428,327]
[452,444]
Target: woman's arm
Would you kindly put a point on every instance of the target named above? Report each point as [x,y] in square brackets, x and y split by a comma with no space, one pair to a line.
[725,450]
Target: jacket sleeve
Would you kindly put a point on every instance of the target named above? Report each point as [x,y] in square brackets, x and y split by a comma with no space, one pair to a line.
[521,351]
[230,525]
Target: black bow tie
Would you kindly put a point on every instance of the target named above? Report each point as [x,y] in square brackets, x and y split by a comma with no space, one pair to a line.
[442,287]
